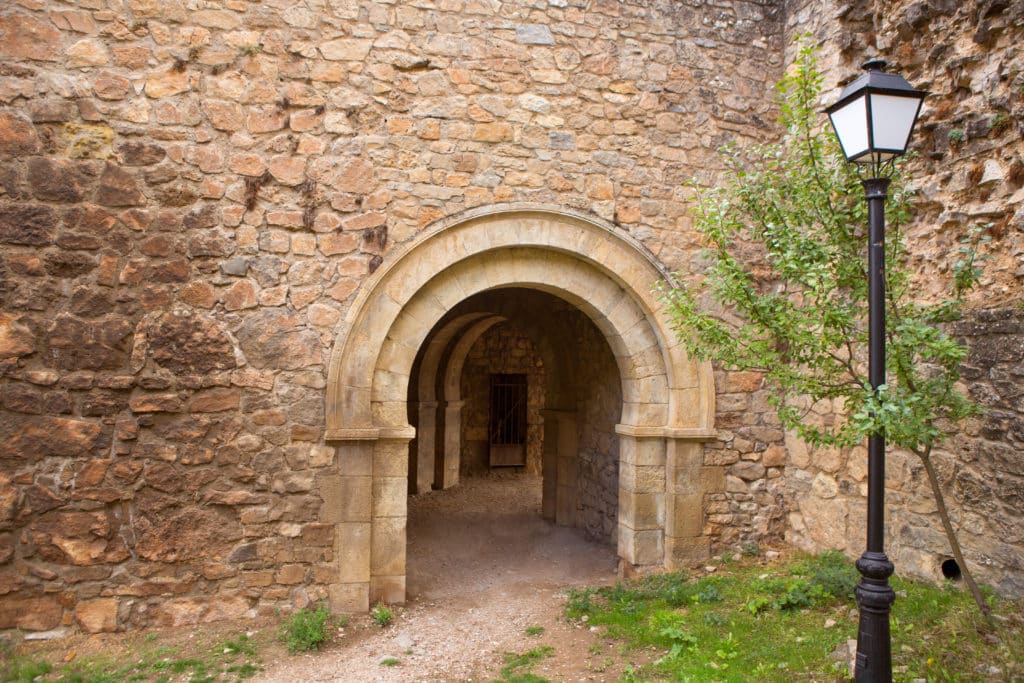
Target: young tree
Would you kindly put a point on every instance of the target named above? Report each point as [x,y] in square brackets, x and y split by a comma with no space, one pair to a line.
[785,293]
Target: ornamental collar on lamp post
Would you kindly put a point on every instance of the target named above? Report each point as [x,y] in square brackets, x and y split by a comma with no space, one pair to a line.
[875,115]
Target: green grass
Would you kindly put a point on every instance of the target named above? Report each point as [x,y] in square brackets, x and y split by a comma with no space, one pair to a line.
[518,667]
[534,631]
[234,659]
[756,622]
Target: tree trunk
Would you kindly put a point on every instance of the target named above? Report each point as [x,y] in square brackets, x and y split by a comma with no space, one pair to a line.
[954,543]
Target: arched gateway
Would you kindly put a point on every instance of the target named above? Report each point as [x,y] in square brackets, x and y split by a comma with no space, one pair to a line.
[667,399]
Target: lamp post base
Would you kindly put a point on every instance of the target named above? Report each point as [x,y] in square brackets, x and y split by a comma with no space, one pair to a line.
[875,598]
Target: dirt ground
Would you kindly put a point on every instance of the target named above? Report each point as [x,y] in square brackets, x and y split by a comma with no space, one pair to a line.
[482,568]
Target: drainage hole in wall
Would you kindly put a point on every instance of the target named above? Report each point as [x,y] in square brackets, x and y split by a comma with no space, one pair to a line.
[951,570]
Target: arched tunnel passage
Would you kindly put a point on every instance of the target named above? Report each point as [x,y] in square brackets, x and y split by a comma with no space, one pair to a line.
[514,395]
[667,403]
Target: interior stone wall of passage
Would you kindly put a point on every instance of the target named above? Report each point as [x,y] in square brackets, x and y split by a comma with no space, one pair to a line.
[502,349]
[599,404]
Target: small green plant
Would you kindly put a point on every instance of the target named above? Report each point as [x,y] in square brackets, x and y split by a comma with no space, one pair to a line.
[239,645]
[956,137]
[390,661]
[534,630]
[307,629]
[750,549]
[382,615]
[1001,122]
[707,592]
[250,49]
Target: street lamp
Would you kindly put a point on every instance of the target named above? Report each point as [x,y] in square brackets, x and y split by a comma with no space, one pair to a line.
[873,120]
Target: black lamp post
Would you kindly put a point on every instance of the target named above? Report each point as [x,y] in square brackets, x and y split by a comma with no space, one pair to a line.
[873,119]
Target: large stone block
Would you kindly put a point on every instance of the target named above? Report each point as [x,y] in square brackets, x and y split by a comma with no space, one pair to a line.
[41,436]
[387,589]
[641,510]
[27,224]
[390,495]
[40,613]
[686,551]
[388,547]
[345,498]
[686,518]
[16,337]
[349,598]
[97,616]
[641,548]
[353,549]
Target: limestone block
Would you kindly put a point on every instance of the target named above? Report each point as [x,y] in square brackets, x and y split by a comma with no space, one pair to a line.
[644,547]
[349,598]
[645,414]
[390,386]
[641,478]
[355,458]
[387,589]
[392,413]
[353,550]
[387,557]
[642,451]
[391,458]
[641,510]
[686,517]
[345,498]
[686,551]
[685,467]
[825,521]
[390,495]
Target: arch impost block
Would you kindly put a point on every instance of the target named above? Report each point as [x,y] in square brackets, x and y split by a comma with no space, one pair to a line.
[398,433]
[402,433]
[454,404]
[679,433]
[352,434]
[427,404]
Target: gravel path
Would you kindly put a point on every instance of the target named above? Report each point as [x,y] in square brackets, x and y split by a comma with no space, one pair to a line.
[482,567]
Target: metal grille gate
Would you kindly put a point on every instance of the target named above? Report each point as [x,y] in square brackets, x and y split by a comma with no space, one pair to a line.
[507,424]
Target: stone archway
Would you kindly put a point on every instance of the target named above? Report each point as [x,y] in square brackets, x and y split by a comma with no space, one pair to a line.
[668,399]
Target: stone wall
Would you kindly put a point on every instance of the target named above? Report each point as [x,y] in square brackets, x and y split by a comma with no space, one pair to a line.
[968,172]
[191,195]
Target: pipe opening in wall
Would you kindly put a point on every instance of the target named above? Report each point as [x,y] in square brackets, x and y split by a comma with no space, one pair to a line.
[951,570]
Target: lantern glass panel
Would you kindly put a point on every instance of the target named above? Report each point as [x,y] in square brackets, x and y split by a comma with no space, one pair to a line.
[851,124]
[892,119]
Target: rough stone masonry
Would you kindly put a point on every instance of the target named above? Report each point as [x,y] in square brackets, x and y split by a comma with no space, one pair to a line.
[193,193]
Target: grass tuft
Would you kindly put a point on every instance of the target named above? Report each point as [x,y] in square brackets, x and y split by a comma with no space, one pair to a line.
[382,615]
[307,629]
